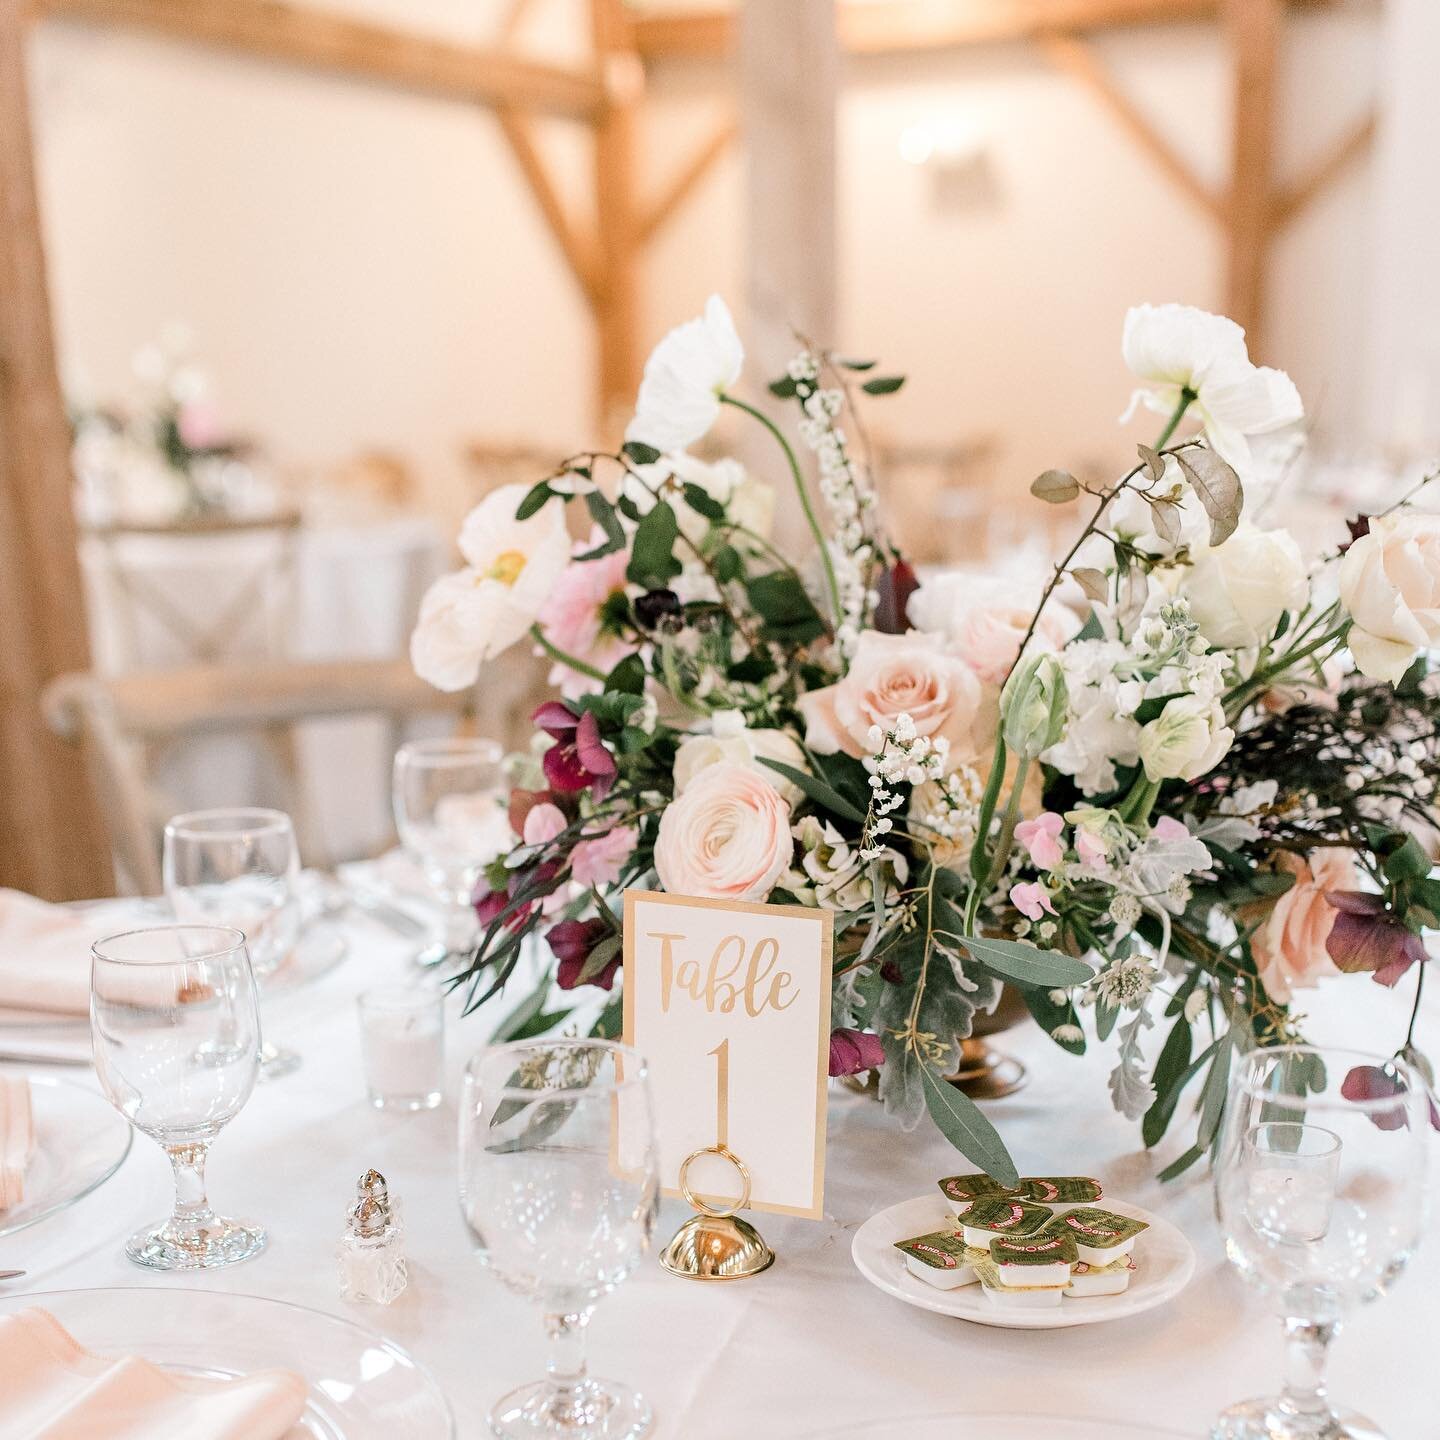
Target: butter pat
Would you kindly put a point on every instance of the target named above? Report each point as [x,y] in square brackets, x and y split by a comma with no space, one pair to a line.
[941,1260]
[1033,1297]
[962,1191]
[1033,1264]
[1087,1280]
[1060,1192]
[1101,1237]
[996,1217]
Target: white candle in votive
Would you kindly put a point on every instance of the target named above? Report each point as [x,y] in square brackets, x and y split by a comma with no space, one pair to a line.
[1291,1206]
[402,1041]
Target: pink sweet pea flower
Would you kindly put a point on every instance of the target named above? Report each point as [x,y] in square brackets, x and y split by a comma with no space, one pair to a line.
[543,823]
[1031,900]
[1090,850]
[1041,837]
[1168,828]
[598,861]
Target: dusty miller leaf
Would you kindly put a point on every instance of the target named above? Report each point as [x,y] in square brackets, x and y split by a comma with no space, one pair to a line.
[1130,1086]
[1218,487]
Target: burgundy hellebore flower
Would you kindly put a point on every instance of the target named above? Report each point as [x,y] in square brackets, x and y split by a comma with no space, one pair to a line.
[897,583]
[852,1051]
[578,759]
[535,880]
[1366,936]
[572,941]
[1374,1082]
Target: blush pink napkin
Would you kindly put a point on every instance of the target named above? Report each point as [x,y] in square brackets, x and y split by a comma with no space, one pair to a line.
[17,1139]
[44,955]
[55,1390]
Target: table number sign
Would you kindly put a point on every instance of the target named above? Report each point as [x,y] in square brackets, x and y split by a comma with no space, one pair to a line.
[730,1005]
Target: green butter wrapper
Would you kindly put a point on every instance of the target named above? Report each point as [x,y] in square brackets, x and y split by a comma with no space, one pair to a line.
[1098,1228]
[1045,1248]
[1013,1217]
[973,1187]
[942,1250]
[1060,1189]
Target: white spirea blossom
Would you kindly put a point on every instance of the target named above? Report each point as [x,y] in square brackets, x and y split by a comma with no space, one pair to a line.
[900,756]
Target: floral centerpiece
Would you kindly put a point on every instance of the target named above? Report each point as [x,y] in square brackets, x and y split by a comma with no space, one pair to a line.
[1182,780]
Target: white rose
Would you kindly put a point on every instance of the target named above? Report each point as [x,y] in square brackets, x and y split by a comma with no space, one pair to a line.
[475,613]
[1187,738]
[684,378]
[1239,590]
[894,675]
[726,838]
[1390,584]
[731,743]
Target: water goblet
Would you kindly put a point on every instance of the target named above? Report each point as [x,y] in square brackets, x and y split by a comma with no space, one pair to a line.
[1321,1200]
[559,1186]
[239,866]
[176,1030]
[449,798]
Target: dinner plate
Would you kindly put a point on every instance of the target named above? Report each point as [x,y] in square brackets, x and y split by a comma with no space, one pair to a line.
[362,1386]
[956,1423]
[1164,1262]
[80,1142]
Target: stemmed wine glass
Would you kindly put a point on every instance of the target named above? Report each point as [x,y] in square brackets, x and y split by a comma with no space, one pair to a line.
[559,1185]
[239,867]
[1322,1201]
[176,1030]
[449,800]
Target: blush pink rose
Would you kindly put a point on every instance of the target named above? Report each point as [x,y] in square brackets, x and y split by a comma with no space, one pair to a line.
[599,861]
[1289,947]
[571,617]
[893,675]
[988,637]
[726,838]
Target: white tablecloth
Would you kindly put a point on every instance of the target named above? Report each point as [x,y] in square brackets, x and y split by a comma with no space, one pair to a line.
[799,1351]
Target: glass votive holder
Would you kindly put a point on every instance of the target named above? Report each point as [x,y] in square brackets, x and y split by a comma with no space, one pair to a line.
[402,1047]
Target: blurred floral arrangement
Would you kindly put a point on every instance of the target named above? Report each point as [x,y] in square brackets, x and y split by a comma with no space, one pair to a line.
[162,455]
[1187,779]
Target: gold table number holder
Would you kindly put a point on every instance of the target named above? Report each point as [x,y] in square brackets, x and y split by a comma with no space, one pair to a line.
[715,1243]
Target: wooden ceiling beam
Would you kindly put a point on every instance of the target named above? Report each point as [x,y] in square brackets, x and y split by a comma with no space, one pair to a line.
[905,26]
[1328,169]
[685,179]
[318,40]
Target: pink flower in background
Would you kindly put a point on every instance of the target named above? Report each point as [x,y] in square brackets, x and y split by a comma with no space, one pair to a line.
[852,1051]
[572,617]
[198,425]
[599,861]
[1041,837]
[1169,828]
[543,823]
[1031,899]
[1291,947]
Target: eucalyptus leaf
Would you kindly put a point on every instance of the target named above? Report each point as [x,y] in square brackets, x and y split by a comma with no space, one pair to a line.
[1218,488]
[1028,965]
[964,1125]
[817,789]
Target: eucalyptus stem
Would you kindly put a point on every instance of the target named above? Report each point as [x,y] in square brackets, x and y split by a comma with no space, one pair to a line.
[561,658]
[810,517]
[1005,841]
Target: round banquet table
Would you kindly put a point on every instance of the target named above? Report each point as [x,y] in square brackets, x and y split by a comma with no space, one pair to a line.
[808,1348]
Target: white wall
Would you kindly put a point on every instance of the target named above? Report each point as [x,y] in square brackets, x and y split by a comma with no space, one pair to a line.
[365,268]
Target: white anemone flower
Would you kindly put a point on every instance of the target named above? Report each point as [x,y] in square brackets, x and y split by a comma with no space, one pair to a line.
[1178,348]
[475,613]
[685,376]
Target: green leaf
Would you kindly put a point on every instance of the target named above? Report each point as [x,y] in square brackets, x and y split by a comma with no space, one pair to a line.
[1105,1018]
[628,677]
[1055,487]
[883,385]
[702,502]
[602,512]
[1052,969]
[846,363]
[817,790]
[789,613]
[599,958]
[1179,1167]
[1168,1080]
[652,557]
[639,452]
[783,388]
[966,1128]
[523,1016]
[536,498]
[1048,1015]
[1218,488]
[609,1022]
[727,564]
[1212,1097]
[1407,862]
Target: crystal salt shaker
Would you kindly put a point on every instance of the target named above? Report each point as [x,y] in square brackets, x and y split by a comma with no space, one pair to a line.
[371,1253]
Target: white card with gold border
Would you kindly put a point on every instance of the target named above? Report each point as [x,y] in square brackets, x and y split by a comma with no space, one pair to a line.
[730,1005]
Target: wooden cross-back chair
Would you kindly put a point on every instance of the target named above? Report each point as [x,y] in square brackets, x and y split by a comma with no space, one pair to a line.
[123,720]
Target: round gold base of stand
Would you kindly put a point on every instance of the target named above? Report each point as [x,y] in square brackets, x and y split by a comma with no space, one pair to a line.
[984,1074]
[716,1244]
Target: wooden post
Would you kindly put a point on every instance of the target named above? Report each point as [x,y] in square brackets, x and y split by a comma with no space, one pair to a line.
[616,301]
[789,73]
[51,841]
[1253,29]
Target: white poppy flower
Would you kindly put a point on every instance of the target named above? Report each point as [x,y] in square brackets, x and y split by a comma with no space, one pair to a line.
[1178,348]
[685,376]
[473,614]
